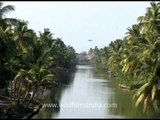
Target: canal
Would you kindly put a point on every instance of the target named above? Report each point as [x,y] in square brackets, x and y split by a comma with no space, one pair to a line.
[89,94]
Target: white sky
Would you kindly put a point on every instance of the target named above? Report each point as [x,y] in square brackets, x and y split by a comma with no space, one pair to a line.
[77,22]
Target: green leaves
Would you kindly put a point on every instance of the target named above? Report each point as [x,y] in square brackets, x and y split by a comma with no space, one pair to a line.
[48,77]
[21,73]
[154,92]
[140,99]
[137,55]
[147,95]
[142,90]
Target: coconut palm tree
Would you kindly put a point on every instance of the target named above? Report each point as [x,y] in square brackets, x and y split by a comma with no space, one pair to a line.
[3,11]
[7,49]
[137,55]
[114,53]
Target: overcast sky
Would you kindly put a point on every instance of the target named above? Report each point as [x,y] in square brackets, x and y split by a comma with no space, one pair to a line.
[77,22]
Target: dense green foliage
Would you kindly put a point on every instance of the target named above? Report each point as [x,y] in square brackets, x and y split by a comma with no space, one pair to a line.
[28,61]
[135,59]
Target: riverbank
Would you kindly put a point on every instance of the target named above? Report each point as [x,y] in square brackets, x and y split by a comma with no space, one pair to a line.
[127,82]
[12,111]
[123,82]
[87,88]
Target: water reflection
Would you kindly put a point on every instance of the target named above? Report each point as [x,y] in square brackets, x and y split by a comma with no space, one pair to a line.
[53,96]
[126,106]
[86,87]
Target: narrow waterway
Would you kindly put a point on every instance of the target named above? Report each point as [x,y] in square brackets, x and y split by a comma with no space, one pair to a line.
[86,94]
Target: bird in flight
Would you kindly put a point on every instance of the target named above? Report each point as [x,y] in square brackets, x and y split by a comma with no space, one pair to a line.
[90,40]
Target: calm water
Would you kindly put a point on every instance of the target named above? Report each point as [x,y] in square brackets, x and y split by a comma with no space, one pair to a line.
[86,94]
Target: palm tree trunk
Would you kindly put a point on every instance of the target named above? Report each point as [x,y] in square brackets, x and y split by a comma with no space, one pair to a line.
[34,92]
[11,92]
[19,93]
[15,88]
[28,89]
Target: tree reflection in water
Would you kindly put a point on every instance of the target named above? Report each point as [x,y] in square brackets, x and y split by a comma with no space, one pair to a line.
[53,96]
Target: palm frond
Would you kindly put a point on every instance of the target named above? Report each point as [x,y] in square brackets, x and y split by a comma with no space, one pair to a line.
[7,9]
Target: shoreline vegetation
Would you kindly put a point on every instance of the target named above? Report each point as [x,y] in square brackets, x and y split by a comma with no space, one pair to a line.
[30,64]
[22,112]
[134,60]
[34,62]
